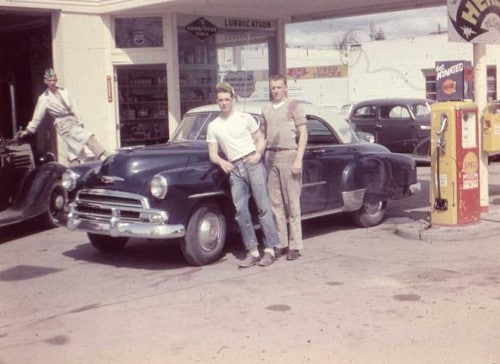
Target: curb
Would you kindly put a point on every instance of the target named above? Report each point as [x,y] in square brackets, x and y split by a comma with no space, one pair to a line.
[488,226]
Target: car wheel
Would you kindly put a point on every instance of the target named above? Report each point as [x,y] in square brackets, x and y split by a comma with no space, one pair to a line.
[205,235]
[56,201]
[370,214]
[105,243]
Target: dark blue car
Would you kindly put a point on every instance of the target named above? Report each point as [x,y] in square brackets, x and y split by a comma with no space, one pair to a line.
[174,191]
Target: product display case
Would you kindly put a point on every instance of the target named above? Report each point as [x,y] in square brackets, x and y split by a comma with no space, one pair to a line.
[197,71]
[143,104]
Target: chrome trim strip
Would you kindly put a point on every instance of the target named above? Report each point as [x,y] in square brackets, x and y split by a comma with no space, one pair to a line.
[313,215]
[207,194]
[314,184]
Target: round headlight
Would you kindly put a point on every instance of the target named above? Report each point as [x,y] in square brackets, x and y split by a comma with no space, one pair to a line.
[69,180]
[158,186]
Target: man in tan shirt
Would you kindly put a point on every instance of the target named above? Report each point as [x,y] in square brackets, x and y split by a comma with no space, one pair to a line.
[286,134]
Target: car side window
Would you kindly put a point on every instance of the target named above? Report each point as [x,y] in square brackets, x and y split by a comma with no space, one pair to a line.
[421,109]
[365,112]
[394,112]
[319,133]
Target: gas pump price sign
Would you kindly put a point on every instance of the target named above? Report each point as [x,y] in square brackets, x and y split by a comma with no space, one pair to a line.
[470,166]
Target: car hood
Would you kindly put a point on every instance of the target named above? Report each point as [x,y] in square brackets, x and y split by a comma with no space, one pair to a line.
[134,167]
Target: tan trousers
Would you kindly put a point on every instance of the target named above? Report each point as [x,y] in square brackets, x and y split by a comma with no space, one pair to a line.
[76,137]
[284,191]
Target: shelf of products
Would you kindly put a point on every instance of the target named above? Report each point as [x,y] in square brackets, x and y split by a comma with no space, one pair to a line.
[197,70]
[142,104]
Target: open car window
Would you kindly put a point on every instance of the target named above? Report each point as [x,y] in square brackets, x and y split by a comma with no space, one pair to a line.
[319,133]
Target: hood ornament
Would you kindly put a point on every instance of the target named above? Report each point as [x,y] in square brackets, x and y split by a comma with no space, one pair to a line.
[107,180]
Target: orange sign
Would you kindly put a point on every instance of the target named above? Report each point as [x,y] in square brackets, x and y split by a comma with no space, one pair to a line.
[315,72]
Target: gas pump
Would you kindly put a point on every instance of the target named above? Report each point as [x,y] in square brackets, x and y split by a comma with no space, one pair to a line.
[491,127]
[454,190]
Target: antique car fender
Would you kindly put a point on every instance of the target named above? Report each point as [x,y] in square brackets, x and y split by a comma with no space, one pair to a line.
[363,197]
[41,188]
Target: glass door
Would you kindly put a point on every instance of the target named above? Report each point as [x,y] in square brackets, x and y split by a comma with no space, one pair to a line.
[143,104]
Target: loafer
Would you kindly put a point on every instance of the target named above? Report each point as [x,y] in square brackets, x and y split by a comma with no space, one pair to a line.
[249,261]
[280,252]
[292,255]
[266,260]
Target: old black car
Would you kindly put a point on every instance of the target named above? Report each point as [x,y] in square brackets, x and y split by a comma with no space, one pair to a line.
[30,187]
[398,123]
[174,191]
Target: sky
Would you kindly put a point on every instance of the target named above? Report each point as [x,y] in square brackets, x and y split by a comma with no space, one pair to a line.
[399,24]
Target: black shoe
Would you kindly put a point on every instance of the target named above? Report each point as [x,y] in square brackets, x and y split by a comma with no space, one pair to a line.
[279,252]
[266,260]
[249,261]
[293,255]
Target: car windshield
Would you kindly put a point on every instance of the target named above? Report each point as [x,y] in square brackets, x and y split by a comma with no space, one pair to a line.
[423,109]
[194,126]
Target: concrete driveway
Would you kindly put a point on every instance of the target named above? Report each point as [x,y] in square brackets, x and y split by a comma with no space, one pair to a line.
[355,296]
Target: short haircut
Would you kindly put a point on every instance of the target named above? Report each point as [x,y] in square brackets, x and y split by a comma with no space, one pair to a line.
[49,73]
[278,77]
[225,87]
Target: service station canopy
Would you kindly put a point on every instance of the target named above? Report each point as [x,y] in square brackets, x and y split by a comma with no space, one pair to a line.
[288,10]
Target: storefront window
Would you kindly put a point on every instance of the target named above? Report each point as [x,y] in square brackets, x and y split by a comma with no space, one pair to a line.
[139,32]
[224,49]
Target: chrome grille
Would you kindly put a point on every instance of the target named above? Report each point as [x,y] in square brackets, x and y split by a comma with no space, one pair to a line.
[102,205]
[22,161]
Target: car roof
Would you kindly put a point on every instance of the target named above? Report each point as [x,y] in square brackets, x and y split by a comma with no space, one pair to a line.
[399,100]
[336,120]
[255,107]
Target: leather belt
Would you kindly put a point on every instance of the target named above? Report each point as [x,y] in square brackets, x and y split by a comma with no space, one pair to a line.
[241,158]
[277,149]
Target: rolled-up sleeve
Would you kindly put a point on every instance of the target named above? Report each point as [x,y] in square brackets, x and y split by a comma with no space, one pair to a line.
[38,114]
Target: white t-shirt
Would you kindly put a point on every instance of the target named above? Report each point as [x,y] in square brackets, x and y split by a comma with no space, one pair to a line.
[233,134]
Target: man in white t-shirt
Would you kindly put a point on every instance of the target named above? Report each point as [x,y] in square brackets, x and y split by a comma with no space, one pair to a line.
[242,143]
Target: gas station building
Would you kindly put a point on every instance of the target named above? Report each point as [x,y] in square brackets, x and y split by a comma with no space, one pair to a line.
[134,67]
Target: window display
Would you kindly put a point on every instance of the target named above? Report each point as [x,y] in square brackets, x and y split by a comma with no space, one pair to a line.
[213,49]
[142,104]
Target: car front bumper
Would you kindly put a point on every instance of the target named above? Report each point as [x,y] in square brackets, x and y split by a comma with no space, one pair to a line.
[120,214]
[117,228]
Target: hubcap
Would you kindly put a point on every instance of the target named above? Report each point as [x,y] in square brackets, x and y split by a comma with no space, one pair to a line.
[209,231]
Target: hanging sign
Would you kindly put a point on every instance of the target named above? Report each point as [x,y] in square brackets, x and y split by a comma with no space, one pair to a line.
[201,28]
[474,21]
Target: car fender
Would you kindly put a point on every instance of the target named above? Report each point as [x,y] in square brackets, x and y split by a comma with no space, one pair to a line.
[374,178]
[191,186]
[35,188]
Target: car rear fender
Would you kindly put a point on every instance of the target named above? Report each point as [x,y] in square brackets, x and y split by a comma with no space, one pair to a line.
[380,177]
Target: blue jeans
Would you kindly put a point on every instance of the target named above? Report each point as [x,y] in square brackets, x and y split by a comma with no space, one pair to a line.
[250,179]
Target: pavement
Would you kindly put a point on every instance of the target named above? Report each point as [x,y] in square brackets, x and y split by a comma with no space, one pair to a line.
[487,226]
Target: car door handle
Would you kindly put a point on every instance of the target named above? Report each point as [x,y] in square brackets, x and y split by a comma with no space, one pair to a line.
[318,151]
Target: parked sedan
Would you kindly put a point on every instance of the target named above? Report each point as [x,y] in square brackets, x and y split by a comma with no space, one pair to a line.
[399,124]
[30,187]
[174,191]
